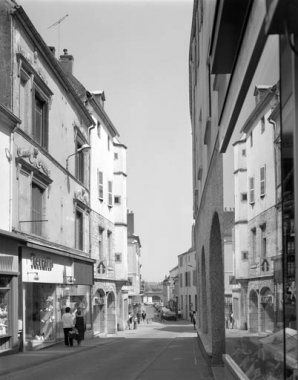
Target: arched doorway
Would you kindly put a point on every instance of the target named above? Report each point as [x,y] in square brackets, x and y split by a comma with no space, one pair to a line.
[111,313]
[266,310]
[98,312]
[253,312]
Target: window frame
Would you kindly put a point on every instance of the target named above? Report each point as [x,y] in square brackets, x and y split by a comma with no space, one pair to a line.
[110,193]
[100,185]
[37,229]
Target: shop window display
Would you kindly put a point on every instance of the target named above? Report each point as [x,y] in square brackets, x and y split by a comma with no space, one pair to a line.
[4,305]
[44,307]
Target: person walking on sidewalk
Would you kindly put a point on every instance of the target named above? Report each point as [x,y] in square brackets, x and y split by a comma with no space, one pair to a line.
[135,322]
[194,319]
[80,325]
[67,322]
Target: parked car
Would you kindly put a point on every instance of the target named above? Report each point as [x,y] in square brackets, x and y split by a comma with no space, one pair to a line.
[169,315]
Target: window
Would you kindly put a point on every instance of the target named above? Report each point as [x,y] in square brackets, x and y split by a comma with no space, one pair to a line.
[110,193]
[80,163]
[243,197]
[262,124]
[263,241]
[34,109]
[254,243]
[181,261]
[194,278]
[244,255]
[117,199]
[100,184]
[251,190]
[118,257]
[24,100]
[98,129]
[100,250]
[115,156]
[110,247]
[79,224]
[109,143]
[181,281]
[244,152]
[37,193]
[251,140]
[129,282]
[262,181]
[187,278]
[181,306]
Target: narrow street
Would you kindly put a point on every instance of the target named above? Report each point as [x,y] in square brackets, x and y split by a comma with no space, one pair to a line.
[154,351]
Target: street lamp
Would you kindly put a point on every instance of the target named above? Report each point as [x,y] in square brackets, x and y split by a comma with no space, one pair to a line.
[84,148]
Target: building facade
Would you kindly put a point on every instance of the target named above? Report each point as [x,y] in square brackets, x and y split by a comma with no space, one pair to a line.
[50,190]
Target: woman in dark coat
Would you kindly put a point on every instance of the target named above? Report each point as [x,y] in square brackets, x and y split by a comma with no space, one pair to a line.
[80,326]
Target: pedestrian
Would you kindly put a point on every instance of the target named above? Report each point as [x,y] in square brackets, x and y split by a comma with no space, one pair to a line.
[143,315]
[179,314]
[194,319]
[129,321]
[139,316]
[80,325]
[135,320]
[232,320]
[191,315]
[161,316]
[67,322]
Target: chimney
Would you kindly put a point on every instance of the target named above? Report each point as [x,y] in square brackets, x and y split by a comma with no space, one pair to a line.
[53,50]
[66,61]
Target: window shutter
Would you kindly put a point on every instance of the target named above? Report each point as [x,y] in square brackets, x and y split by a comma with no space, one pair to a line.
[110,191]
[100,184]
[45,136]
[263,180]
[251,190]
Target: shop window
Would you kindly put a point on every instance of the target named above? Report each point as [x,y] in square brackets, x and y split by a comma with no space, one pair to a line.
[79,229]
[4,305]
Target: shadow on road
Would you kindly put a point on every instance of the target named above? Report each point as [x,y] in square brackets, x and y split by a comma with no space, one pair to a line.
[178,329]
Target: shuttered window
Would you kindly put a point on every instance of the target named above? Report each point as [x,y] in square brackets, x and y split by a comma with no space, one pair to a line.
[263,181]
[79,230]
[37,209]
[100,184]
[110,193]
[251,190]
[80,164]
[40,117]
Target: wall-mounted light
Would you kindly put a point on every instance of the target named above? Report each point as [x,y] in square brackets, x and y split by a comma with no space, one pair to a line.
[36,277]
[84,148]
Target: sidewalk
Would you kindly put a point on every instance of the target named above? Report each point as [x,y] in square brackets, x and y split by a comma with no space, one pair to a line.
[20,361]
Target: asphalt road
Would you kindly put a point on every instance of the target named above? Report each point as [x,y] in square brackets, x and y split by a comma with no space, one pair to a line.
[153,351]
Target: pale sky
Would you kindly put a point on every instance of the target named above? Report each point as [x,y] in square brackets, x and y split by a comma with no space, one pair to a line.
[137,52]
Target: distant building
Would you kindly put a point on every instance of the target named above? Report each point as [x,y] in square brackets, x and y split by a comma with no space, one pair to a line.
[187,277]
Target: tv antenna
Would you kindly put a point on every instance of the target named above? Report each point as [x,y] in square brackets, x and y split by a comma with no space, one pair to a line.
[55,24]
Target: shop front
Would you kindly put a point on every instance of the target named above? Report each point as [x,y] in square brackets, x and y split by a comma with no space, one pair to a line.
[9,275]
[52,282]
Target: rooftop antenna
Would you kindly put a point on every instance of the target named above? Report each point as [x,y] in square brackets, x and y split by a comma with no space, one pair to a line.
[58,23]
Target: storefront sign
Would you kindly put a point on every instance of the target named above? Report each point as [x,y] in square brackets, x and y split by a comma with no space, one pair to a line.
[40,263]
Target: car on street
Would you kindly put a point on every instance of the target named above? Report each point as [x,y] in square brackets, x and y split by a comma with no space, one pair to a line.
[169,314]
